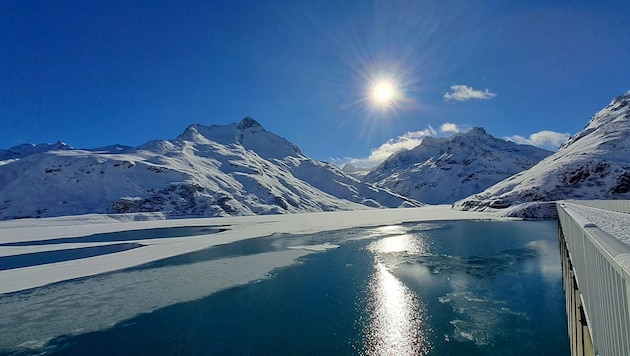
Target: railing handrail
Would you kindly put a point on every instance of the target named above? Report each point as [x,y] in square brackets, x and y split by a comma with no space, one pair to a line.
[622,206]
[603,281]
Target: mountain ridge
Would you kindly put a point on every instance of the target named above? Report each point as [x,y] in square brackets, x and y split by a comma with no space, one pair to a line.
[592,164]
[27,149]
[250,171]
[444,170]
[243,169]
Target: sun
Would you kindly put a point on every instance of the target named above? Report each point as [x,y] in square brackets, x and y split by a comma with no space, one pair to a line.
[383,92]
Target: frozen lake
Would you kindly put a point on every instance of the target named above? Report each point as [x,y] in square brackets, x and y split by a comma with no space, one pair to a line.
[451,287]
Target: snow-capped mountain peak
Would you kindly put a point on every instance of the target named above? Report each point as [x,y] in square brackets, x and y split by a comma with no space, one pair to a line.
[607,129]
[443,170]
[248,133]
[27,149]
[476,132]
[249,123]
[236,169]
[593,164]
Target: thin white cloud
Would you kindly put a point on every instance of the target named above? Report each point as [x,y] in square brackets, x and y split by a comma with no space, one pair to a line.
[393,145]
[464,92]
[546,139]
[518,139]
[543,139]
[449,127]
[404,142]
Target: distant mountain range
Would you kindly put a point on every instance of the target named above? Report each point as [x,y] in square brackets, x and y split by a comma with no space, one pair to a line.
[243,169]
[593,164]
[237,169]
[27,149]
[444,170]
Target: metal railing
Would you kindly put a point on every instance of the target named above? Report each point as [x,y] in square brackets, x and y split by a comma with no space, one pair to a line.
[622,206]
[602,281]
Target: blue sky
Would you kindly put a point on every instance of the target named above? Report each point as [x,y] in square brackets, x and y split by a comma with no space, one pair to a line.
[94,73]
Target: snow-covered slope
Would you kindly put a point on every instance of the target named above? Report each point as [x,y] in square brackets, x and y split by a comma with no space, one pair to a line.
[593,164]
[238,169]
[354,171]
[443,170]
[30,149]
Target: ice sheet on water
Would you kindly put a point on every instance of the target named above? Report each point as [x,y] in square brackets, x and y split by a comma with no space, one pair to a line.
[64,255]
[318,248]
[479,316]
[32,318]
[56,311]
[427,226]
[482,314]
[129,235]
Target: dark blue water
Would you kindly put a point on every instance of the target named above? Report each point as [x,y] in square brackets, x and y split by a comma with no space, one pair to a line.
[454,288]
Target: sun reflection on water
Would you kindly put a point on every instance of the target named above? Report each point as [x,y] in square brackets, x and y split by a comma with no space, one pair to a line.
[407,243]
[396,317]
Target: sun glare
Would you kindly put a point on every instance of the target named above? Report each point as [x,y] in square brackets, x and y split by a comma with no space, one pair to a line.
[383,93]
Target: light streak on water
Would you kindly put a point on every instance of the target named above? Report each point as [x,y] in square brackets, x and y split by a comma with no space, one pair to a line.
[395,325]
[396,318]
[403,243]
